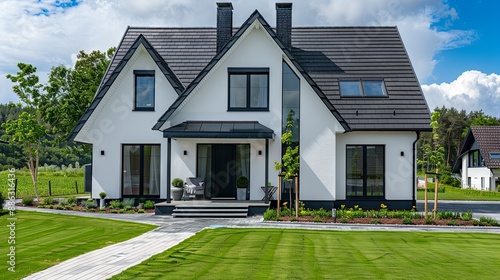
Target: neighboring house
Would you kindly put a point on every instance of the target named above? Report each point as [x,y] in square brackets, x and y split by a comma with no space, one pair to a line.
[479,160]
[213,102]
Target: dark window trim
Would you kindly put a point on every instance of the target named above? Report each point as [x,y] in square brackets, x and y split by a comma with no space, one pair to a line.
[480,160]
[141,178]
[365,166]
[144,73]
[248,72]
[386,95]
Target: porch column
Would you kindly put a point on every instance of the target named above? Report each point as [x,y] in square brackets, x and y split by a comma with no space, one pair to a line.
[267,171]
[169,164]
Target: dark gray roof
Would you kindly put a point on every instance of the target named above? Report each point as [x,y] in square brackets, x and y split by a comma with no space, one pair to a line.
[487,139]
[219,129]
[323,55]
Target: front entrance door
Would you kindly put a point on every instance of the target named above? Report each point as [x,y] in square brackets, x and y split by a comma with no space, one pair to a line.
[224,171]
[220,165]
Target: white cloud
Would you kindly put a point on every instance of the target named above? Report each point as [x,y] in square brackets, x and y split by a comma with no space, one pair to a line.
[471,91]
[45,35]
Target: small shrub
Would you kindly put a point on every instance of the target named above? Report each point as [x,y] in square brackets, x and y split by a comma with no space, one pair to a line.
[102,195]
[48,200]
[60,207]
[317,219]
[149,204]
[488,221]
[466,216]
[407,221]
[27,201]
[452,222]
[89,203]
[142,200]
[270,214]
[116,204]
[293,219]
[41,206]
[71,200]
[375,222]
[429,221]
[343,220]
[128,203]
[140,211]
[63,202]
[122,211]
[114,211]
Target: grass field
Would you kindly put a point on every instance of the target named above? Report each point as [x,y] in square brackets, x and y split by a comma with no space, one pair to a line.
[60,184]
[451,193]
[43,240]
[307,254]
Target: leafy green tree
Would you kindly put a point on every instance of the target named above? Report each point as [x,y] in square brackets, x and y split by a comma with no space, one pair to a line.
[27,129]
[70,91]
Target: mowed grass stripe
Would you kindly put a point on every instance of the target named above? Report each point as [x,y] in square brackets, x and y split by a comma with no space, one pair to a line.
[43,240]
[307,254]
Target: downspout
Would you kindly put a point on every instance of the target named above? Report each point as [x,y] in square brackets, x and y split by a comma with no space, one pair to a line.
[415,170]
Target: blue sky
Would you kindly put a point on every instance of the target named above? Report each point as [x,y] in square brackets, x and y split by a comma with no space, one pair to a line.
[453,44]
[482,54]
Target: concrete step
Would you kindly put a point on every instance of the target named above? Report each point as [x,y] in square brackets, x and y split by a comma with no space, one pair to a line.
[209,215]
[212,211]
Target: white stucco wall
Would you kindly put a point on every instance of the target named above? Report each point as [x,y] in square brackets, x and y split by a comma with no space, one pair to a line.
[476,173]
[318,138]
[114,123]
[209,101]
[318,126]
[398,169]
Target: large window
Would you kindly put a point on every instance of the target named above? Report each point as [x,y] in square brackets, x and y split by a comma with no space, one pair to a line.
[364,88]
[475,159]
[144,90]
[141,170]
[291,101]
[365,172]
[248,89]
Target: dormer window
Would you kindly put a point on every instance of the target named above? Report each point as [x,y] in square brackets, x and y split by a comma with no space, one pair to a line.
[362,88]
[248,89]
[144,90]
[495,155]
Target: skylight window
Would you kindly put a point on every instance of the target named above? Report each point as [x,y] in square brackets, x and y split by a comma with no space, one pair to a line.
[368,88]
[495,155]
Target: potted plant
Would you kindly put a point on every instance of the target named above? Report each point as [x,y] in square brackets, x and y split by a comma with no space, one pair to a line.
[241,188]
[102,195]
[177,189]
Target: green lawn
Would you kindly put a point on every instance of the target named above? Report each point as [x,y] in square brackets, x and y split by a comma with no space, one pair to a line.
[307,254]
[60,184]
[451,193]
[43,240]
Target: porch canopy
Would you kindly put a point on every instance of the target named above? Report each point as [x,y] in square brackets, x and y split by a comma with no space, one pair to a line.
[219,129]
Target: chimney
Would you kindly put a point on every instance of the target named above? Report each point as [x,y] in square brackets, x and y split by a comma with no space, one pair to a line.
[224,24]
[284,23]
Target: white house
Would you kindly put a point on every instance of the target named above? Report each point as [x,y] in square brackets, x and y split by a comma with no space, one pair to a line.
[479,160]
[213,102]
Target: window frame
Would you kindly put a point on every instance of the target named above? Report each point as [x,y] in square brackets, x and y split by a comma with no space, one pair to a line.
[362,87]
[248,72]
[144,73]
[365,160]
[141,171]
[479,162]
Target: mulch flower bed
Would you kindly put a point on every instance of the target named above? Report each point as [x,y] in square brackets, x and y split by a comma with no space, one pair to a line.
[80,208]
[383,221]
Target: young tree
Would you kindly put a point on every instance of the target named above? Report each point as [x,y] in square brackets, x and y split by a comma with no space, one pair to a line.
[27,129]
